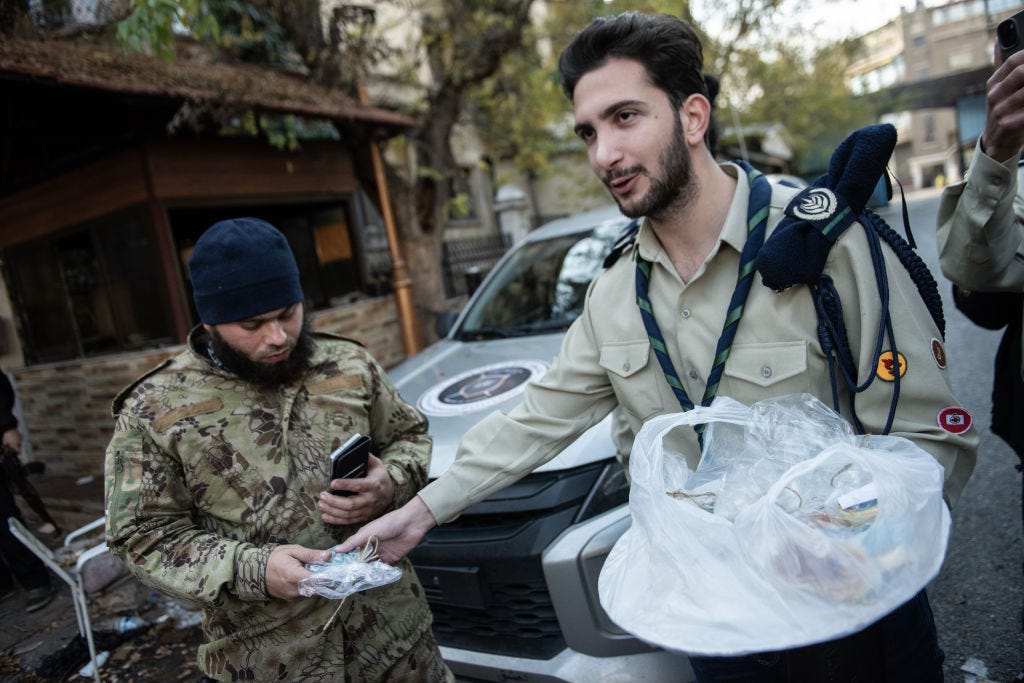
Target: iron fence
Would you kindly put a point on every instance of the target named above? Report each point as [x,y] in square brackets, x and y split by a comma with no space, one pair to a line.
[465,261]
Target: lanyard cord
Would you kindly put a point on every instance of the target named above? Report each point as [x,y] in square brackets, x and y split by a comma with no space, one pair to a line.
[757,221]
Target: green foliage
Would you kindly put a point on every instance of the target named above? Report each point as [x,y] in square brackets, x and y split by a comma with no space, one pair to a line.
[153,24]
[808,96]
[459,207]
[517,110]
[284,132]
[253,36]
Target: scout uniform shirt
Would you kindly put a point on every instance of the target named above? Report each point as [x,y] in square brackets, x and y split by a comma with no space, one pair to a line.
[206,474]
[606,360]
[980,234]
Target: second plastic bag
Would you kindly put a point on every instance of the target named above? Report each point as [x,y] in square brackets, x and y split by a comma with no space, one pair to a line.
[792,530]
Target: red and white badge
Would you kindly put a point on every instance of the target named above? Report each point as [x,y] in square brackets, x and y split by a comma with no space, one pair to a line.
[955,420]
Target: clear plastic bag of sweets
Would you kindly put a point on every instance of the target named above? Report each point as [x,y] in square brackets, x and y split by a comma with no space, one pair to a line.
[347,573]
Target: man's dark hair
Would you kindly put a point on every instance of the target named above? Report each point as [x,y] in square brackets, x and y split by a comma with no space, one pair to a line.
[667,46]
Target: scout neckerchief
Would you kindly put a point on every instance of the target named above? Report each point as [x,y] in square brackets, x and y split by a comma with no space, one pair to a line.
[757,221]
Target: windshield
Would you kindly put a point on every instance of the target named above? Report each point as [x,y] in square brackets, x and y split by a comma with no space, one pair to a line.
[540,288]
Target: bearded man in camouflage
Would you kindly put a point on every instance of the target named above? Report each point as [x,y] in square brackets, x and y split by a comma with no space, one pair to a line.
[217,473]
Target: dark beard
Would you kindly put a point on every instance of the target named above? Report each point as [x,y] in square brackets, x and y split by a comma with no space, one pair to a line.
[263,375]
[675,188]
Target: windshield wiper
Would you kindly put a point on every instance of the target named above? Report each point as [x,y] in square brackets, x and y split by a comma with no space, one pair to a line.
[480,333]
[545,326]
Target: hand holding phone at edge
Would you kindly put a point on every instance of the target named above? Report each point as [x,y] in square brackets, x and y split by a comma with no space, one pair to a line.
[1004,121]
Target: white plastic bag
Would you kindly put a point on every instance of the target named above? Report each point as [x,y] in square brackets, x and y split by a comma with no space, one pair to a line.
[793,530]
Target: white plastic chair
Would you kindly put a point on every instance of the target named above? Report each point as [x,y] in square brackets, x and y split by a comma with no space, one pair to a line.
[74,580]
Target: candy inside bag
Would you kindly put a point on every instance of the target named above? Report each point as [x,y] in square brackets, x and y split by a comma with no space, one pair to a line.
[347,573]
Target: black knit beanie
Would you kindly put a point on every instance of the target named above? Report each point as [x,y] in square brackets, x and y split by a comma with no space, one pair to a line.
[240,268]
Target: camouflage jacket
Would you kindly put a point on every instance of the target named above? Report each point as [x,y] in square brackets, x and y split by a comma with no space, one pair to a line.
[206,474]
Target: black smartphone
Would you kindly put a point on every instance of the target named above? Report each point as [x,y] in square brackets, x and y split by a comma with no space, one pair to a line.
[349,461]
[1010,34]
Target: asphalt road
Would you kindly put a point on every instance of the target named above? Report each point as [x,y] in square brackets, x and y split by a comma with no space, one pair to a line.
[979,594]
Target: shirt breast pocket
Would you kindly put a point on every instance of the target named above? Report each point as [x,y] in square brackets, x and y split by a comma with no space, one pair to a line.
[757,371]
[634,376]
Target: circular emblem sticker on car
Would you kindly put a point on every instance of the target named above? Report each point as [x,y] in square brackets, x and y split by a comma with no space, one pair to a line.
[480,388]
[817,204]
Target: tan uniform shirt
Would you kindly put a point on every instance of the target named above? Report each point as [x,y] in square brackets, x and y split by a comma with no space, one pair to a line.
[606,360]
[981,227]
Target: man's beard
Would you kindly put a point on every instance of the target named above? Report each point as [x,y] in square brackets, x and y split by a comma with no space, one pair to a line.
[673,189]
[267,376]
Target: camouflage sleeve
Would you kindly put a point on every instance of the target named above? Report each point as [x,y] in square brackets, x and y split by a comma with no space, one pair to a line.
[150,525]
[400,431]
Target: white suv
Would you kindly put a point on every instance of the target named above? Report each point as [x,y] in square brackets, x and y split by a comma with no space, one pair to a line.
[513,581]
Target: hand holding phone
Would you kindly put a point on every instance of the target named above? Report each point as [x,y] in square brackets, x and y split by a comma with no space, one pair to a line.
[349,461]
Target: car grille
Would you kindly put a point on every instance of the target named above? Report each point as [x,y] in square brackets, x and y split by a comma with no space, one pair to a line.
[482,573]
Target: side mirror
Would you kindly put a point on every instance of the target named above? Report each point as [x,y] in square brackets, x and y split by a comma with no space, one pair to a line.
[444,322]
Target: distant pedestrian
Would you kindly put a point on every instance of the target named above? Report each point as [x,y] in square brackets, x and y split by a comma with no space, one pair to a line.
[18,563]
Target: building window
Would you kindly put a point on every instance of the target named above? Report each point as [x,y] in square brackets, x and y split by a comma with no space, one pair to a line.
[460,205]
[96,288]
[929,128]
[961,60]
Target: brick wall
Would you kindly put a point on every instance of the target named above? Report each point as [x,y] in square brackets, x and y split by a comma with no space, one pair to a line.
[66,406]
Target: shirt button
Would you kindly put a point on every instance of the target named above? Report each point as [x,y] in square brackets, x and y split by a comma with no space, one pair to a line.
[766,371]
[685,313]
[625,367]
[693,374]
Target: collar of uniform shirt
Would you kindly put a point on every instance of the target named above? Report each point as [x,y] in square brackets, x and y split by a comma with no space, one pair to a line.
[734,231]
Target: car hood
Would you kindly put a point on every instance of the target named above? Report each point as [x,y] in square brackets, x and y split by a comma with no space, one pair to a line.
[456,384]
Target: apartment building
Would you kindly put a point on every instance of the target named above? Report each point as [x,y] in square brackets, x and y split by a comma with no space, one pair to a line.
[926,71]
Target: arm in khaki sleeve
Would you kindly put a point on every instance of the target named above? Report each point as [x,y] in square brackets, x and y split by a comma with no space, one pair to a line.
[573,395]
[150,525]
[980,234]
[924,388]
[981,227]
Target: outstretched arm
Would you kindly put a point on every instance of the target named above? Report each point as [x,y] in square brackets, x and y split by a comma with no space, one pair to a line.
[396,533]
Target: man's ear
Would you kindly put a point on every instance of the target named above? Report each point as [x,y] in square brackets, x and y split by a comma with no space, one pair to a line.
[695,117]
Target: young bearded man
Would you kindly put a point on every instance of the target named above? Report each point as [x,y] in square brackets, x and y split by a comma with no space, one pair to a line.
[642,110]
[217,473]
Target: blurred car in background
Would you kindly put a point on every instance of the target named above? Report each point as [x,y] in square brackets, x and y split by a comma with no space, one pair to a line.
[512,582]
